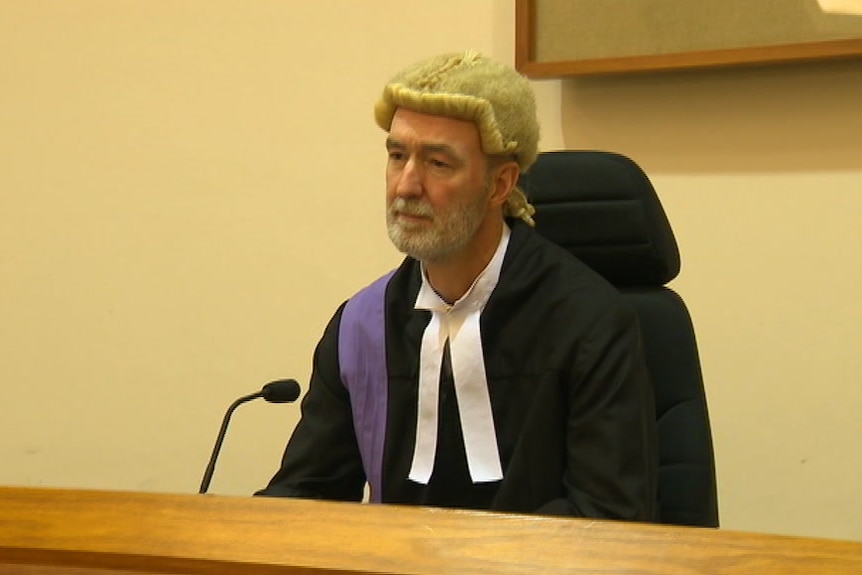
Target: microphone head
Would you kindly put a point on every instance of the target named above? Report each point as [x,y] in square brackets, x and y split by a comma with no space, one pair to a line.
[281,391]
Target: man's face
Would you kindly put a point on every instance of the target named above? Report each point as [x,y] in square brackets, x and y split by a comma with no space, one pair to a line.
[437,187]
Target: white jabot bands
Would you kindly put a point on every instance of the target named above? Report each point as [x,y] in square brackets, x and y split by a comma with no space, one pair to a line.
[459,323]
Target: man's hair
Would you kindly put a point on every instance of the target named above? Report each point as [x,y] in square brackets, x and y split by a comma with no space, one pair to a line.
[469,86]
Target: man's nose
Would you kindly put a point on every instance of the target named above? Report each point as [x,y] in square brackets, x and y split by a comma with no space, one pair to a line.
[410,179]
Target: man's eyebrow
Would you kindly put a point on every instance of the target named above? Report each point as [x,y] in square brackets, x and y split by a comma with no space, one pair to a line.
[426,148]
[439,149]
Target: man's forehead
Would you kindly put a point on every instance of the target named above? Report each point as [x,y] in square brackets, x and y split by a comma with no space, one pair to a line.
[431,131]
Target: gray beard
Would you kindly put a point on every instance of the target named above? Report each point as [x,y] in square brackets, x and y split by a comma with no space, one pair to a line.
[447,235]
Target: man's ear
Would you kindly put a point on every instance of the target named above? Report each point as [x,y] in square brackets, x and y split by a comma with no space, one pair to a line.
[504,179]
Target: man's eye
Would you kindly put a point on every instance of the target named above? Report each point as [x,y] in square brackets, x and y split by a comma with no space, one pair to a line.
[396,156]
[439,164]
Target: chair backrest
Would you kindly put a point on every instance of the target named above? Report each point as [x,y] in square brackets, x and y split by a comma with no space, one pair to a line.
[602,208]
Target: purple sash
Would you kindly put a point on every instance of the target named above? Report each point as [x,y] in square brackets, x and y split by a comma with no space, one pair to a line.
[362,359]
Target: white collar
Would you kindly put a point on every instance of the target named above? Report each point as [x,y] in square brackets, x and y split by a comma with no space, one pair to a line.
[459,323]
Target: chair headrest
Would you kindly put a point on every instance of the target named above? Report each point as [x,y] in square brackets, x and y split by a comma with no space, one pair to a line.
[601,207]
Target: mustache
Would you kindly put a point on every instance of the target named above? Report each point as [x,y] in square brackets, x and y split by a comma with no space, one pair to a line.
[411,207]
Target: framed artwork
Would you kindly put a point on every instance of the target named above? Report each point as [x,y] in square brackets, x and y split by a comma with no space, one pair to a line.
[558,38]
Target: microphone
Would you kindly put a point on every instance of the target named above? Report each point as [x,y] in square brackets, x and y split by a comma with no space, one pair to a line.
[280,391]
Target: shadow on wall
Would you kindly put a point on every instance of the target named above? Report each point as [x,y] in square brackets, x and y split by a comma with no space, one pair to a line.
[804,117]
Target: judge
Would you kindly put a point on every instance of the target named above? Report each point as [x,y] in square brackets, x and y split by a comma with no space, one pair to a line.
[491,370]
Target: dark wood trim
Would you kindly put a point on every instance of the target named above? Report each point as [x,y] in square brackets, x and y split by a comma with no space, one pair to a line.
[526,63]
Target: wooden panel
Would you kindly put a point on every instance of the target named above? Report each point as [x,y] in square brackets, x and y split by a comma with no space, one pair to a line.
[65,532]
[22,569]
[556,38]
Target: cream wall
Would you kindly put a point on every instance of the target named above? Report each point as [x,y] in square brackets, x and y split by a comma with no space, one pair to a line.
[188,189]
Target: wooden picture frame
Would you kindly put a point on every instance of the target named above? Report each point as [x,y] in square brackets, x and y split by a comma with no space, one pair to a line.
[549,43]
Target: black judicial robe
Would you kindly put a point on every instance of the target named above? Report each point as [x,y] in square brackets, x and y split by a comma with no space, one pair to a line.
[570,395]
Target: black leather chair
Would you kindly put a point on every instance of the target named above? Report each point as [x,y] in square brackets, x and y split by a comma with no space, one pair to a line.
[602,208]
